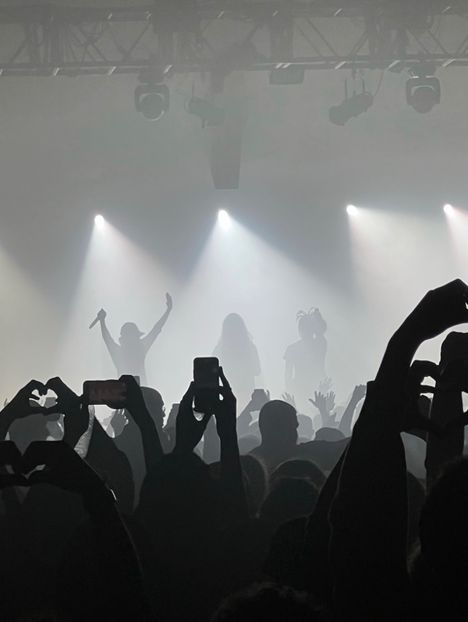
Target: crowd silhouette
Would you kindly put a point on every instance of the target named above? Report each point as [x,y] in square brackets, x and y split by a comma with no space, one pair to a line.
[257,509]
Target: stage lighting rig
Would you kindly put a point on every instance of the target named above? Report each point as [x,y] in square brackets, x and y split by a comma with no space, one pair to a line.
[152,97]
[423,88]
[152,100]
[352,106]
[282,47]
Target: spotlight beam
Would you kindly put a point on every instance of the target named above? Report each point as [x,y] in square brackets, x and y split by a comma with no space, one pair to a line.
[224,219]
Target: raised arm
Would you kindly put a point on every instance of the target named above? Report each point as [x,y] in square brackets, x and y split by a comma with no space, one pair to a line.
[136,406]
[369,514]
[347,419]
[231,470]
[447,407]
[150,338]
[22,405]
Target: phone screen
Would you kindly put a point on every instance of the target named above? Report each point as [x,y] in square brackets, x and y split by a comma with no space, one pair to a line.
[102,392]
[206,372]
[206,378]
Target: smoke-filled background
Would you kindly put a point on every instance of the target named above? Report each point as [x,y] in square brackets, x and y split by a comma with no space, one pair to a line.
[72,148]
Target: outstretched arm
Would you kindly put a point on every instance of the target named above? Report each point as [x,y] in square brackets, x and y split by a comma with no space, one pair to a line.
[347,418]
[231,470]
[22,405]
[150,338]
[369,513]
[136,406]
[447,408]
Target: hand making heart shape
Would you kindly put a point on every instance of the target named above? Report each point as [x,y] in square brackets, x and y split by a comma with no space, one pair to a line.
[64,401]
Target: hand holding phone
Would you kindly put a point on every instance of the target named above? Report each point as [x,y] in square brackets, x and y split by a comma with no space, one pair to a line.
[454,361]
[112,393]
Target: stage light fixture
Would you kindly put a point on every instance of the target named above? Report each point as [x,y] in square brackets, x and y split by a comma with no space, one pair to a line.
[448,209]
[423,93]
[152,100]
[351,106]
[423,88]
[352,210]
[99,220]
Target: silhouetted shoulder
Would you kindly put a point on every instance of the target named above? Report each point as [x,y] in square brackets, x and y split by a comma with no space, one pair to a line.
[293,350]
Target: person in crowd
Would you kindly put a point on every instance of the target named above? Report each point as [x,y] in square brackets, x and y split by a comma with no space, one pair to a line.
[339,529]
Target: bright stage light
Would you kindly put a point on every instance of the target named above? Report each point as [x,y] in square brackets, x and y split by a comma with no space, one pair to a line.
[224,219]
[352,210]
[448,209]
[99,221]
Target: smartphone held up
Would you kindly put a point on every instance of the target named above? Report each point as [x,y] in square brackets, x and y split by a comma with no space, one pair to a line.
[206,380]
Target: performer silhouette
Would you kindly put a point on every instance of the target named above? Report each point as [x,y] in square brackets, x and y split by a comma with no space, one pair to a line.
[305,359]
[130,353]
[238,355]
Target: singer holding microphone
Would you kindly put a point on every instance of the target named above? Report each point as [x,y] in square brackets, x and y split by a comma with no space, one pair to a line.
[130,353]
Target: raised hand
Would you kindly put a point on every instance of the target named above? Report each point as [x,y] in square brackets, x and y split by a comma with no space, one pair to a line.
[325,405]
[330,401]
[439,310]
[325,385]
[169,301]
[66,398]
[289,398]
[319,401]
[189,429]
[412,419]
[101,316]
[76,415]
[25,401]
[359,392]
[225,410]
[258,400]
[134,401]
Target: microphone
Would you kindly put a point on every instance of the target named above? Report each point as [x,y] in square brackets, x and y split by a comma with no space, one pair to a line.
[94,322]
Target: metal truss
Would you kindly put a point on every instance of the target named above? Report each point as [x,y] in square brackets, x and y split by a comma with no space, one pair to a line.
[184,36]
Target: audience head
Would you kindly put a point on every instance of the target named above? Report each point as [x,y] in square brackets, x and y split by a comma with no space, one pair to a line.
[289,498]
[267,603]
[278,424]
[331,435]
[179,491]
[302,469]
